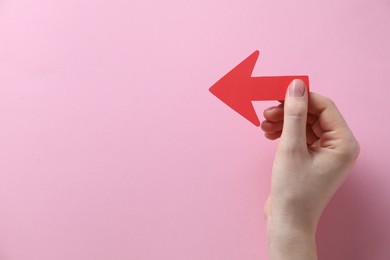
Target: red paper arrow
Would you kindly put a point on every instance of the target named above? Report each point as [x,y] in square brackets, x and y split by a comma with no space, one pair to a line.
[237,88]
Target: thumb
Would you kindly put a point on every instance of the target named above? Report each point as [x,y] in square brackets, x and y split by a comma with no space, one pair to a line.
[295,115]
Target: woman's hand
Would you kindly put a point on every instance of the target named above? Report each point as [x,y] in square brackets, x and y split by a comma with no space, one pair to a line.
[315,152]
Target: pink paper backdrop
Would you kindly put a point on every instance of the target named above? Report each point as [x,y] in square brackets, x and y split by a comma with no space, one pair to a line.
[111,146]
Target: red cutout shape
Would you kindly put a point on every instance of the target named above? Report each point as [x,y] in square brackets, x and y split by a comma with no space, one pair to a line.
[238,88]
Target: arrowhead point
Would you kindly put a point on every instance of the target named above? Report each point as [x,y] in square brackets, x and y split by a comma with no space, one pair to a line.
[232,89]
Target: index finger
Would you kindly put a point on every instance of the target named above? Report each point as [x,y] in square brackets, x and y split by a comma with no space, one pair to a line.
[329,117]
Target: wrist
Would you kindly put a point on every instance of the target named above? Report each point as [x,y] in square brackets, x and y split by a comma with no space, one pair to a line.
[290,241]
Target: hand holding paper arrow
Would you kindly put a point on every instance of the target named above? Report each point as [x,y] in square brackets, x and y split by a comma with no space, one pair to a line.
[238,89]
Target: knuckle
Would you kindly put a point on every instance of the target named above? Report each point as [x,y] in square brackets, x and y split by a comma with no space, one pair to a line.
[290,147]
[355,149]
[297,109]
[329,102]
[351,151]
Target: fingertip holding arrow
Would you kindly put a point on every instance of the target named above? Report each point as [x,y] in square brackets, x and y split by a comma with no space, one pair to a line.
[238,88]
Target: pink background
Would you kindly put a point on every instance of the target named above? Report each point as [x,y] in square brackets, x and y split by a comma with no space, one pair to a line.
[111,146]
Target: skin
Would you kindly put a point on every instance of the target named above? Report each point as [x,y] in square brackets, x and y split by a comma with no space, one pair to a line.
[313,158]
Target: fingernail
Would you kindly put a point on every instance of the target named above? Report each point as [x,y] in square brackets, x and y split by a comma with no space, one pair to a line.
[297,88]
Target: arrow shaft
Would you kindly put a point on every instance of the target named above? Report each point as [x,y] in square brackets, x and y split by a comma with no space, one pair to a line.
[271,88]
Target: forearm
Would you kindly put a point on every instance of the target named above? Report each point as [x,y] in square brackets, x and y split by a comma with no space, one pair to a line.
[290,243]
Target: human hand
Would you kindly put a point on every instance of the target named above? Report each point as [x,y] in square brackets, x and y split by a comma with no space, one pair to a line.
[315,152]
